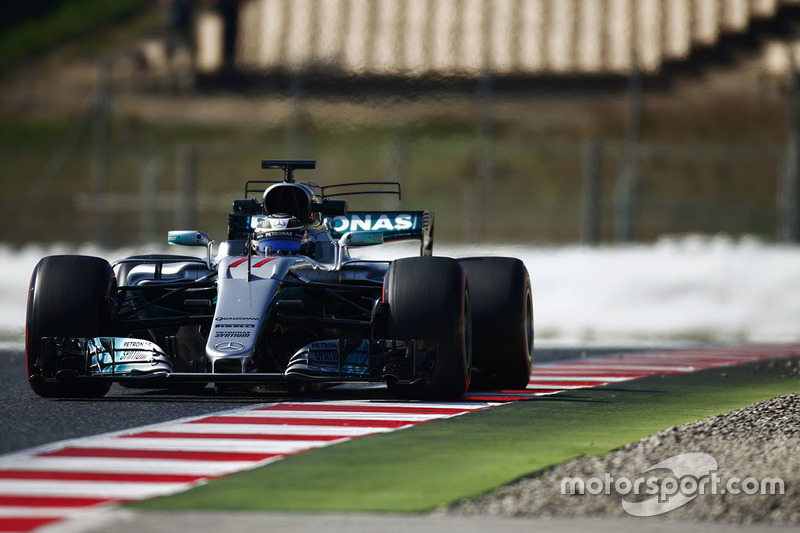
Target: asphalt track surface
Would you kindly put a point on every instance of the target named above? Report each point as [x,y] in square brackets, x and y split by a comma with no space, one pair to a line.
[29,421]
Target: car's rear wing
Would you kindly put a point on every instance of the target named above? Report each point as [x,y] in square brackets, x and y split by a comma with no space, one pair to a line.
[395,226]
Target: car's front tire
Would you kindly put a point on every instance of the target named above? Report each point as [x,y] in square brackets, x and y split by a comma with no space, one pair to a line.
[69,296]
[429,304]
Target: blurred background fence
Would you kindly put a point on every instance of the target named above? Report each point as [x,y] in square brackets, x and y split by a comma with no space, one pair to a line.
[537,191]
[544,121]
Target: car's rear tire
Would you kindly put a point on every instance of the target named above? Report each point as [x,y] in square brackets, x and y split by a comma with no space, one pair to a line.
[502,321]
[69,296]
[429,304]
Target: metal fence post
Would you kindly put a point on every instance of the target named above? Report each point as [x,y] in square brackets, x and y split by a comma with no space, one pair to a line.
[395,156]
[100,162]
[789,191]
[298,144]
[486,152]
[185,203]
[627,185]
[592,203]
[148,199]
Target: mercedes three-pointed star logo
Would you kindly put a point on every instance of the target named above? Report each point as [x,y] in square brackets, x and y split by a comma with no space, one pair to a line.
[229,346]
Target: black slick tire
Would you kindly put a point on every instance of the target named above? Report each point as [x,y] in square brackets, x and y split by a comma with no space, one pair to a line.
[429,304]
[69,296]
[502,321]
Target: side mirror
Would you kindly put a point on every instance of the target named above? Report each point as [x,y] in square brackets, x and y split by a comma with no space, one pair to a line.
[192,238]
[361,238]
[355,238]
[188,238]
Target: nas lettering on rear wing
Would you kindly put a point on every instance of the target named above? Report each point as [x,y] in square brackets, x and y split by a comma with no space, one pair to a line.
[395,225]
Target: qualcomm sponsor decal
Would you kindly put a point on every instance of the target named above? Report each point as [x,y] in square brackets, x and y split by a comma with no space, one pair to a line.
[691,474]
[367,222]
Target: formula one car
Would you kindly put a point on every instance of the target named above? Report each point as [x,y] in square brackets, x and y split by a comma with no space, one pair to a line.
[283,304]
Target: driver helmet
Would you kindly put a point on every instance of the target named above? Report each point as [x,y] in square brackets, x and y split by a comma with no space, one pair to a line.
[278,233]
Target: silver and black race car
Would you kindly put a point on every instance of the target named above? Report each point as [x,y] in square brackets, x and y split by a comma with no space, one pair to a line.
[282,304]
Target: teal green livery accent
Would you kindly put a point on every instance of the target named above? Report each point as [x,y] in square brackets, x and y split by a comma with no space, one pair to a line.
[395,225]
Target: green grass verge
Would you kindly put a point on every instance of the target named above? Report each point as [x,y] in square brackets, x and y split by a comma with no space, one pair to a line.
[441,462]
